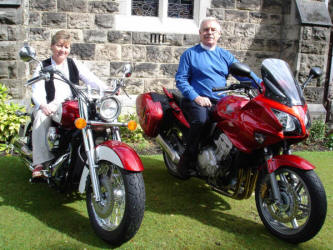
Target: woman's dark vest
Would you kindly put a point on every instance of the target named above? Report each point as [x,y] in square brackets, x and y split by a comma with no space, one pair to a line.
[49,85]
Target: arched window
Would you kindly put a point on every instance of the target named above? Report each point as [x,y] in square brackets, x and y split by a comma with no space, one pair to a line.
[164,16]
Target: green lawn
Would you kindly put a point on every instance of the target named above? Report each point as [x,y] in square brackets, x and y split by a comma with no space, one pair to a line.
[179,214]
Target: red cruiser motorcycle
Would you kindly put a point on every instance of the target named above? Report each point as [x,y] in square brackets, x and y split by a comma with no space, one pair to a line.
[246,147]
[90,157]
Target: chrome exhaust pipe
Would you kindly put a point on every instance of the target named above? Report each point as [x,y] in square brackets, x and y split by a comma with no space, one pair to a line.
[24,152]
[173,155]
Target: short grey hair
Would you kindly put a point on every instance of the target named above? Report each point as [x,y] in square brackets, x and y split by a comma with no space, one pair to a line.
[210,19]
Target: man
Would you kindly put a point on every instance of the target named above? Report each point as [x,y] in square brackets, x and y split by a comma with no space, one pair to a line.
[202,68]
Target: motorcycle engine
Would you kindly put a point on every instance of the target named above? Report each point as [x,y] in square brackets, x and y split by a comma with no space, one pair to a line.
[210,158]
[52,138]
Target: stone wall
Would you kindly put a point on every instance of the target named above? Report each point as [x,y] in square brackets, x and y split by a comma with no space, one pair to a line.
[251,29]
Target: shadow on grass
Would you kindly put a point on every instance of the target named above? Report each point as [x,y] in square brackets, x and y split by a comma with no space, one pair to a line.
[168,195]
[44,203]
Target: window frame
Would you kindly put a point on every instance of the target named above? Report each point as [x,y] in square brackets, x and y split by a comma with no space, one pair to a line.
[124,21]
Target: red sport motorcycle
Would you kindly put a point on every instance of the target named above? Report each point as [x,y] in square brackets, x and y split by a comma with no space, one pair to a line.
[90,157]
[246,147]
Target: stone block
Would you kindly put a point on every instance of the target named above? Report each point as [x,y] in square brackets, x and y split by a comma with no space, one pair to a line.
[8,51]
[275,6]
[258,17]
[3,33]
[126,53]
[54,20]
[80,21]
[10,16]
[245,30]
[139,53]
[42,49]
[43,5]
[95,36]
[248,4]
[169,70]
[119,37]
[116,67]
[84,51]
[134,86]
[72,6]
[228,29]
[178,52]
[141,38]
[145,70]
[39,34]
[100,68]
[34,19]
[174,39]
[217,13]
[268,31]
[159,54]
[103,7]
[156,85]
[237,16]
[227,4]
[109,52]
[313,94]
[104,20]
[230,43]
[317,111]
[191,39]
[311,47]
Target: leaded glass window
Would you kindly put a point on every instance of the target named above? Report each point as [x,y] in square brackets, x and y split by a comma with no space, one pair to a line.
[180,9]
[145,7]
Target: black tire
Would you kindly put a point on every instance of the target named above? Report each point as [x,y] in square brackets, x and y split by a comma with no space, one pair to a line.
[174,137]
[304,204]
[123,193]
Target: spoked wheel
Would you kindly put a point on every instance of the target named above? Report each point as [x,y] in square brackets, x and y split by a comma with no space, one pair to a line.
[302,211]
[174,137]
[118,216]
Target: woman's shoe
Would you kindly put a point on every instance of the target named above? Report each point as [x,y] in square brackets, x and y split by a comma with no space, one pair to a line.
[37,172]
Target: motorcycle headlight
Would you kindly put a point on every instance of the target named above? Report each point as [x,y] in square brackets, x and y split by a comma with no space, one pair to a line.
[290,124]
[109,108]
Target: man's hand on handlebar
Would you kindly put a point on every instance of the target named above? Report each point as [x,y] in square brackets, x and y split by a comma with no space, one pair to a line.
[203,101]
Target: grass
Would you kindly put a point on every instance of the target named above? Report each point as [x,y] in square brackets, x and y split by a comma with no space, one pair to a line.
[179,214]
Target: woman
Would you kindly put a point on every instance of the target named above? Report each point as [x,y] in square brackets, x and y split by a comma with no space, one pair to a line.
[48,95]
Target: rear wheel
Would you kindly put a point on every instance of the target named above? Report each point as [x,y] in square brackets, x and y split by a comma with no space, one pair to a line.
[118,216]
[302,211]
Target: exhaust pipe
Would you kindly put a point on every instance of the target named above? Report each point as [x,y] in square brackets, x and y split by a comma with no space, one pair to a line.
[173,155]
[24,152]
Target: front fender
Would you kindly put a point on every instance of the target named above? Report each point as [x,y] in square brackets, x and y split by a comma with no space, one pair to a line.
[119,154]
[288,160]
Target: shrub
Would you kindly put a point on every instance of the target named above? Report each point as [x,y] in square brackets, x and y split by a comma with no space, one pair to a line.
[317,131]
[9,121]
[329,142]
[128,136]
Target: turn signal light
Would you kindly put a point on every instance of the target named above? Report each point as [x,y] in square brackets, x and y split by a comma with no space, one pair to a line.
[80,123]
[132,125]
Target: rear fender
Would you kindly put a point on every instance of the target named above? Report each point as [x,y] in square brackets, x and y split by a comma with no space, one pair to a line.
[117,153]
[288,160]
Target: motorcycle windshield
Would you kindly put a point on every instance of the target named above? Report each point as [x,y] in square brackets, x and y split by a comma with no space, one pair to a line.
[280,84]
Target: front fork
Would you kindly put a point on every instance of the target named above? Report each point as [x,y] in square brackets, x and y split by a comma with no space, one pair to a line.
[272,179]
[89,146]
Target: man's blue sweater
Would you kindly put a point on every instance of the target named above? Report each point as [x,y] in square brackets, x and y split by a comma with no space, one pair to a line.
[200,70]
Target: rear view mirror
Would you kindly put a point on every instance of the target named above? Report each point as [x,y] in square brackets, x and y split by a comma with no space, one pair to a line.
[240,69]
[27,53]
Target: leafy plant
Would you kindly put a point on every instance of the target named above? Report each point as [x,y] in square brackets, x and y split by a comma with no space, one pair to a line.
[329,142]
[9,121]
[317,131]
[128,136]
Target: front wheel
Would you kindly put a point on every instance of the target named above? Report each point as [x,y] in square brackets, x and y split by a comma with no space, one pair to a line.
[118,216]
[302,211]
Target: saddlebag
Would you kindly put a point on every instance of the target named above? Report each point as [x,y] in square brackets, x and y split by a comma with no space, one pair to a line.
[151,108]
